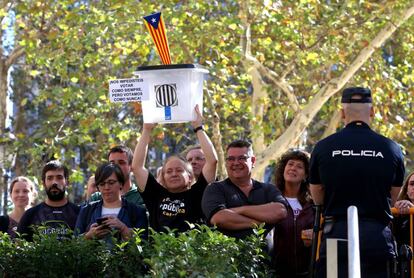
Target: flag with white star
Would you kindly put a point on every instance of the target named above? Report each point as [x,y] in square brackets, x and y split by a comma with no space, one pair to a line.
[156,27]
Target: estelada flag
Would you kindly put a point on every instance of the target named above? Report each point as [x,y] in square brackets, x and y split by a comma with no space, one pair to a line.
[156,27]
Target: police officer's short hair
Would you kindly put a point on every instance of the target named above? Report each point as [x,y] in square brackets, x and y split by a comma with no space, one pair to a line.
[122,149]
[54,165]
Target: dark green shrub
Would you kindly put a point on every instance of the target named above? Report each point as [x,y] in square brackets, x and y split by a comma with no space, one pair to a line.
[204,252]
[127,258]
[47,256]
[201,252]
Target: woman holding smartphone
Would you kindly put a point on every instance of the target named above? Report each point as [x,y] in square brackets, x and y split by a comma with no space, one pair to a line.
[112,214]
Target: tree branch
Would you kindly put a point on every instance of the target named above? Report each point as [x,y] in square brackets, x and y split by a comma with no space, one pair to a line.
[245,43]
[333,124]
[16,53]
[302,120]
[217,137]
[276,80]
[289,68]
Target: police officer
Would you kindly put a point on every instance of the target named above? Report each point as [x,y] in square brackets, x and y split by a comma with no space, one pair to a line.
[357,166]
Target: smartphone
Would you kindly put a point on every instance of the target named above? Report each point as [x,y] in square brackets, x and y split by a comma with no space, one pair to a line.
[101,220]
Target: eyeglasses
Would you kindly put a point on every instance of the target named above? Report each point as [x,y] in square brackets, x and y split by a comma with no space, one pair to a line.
[110,183]
[242,158]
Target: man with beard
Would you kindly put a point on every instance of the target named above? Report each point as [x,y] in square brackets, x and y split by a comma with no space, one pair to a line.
[56,214]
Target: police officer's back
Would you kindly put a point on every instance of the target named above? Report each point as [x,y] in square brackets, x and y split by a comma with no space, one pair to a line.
[356,166]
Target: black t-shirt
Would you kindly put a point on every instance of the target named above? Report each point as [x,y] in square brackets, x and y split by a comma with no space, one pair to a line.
[172,210]
[56,220]
[8,225]
[226,195]
[357,167]
[4,223]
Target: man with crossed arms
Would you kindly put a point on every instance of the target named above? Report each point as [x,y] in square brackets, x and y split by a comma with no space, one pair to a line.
[239,203]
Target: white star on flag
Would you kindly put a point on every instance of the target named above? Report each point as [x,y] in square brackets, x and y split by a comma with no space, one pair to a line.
[155,25]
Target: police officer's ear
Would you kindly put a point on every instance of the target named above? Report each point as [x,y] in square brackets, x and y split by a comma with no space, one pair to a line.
[253,159]
[342,114]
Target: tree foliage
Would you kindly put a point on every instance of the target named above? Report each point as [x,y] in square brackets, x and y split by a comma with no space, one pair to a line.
[268,60]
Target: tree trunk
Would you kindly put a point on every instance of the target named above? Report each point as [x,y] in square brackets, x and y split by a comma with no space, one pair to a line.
[21,90]
[3,116]
[333,124]
[259,93]
[303,119]
[216,138]
[5,63]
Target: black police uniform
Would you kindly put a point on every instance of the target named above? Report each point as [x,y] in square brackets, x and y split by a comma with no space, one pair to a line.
[357,167]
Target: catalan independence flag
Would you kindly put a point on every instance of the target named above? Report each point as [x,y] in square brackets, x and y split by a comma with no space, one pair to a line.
[156,27]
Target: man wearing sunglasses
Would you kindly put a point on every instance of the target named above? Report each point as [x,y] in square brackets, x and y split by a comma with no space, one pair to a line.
[239,203]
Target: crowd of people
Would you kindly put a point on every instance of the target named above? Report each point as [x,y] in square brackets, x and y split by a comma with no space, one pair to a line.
[355,166]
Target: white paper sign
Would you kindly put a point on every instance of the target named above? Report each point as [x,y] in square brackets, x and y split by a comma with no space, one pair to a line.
[127,90]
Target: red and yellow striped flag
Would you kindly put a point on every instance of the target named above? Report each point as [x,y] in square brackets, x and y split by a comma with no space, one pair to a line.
[156,27]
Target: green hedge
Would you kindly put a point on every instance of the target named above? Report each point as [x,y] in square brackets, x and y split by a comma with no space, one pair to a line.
[201,252]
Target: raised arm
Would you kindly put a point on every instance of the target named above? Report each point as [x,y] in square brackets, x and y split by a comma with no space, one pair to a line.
[210,167]
[140,155]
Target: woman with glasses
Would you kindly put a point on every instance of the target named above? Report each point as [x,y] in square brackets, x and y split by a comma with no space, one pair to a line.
[292,236]
[173,199]
[23,194]
[111,214]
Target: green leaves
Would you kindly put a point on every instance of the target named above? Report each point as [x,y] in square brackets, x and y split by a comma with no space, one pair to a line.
[73,49]
[201,252]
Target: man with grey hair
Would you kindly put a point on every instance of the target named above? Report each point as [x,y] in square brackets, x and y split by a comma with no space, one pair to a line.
[357,167]
[197,159]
